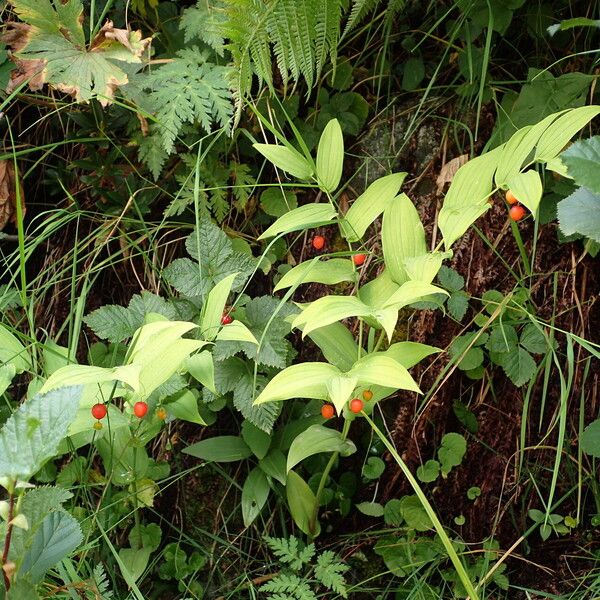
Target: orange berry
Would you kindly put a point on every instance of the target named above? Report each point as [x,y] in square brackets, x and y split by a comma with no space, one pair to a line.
[327,411]
[161,413]
[511,198]
[367,395]
[516,212]
[318,242]
[140,409]
[99,411]
[359,259]
[97,425]
[356,405]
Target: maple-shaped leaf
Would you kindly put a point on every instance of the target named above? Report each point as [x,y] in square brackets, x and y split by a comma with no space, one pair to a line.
[49,47]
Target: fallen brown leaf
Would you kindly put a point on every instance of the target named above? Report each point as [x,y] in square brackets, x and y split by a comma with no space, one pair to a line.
[8,193]
[448,171]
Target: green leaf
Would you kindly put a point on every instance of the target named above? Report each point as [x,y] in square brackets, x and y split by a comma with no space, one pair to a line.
[414,514]
[276,202]
[425,266]
[337,345]
[556,137]
[305,380]
[330,156]
[328,571]
[340,388]
[7,374]
[134,561]
[258,441]
[58,536]
[213,308]
[20,589]
[145,536]
[328,272]
[379,369]
[590,439]
[185,407]
[329,309]
[467,198]
[458,304]
[373,468]
[255,493]
[518,366]
[370,204]
[534,340]
[32,433]
[579,213]
[225,448]
[503,338]
[286,159]
[392,512]
[12,351]
[412,291]
[315,440]
[413,74]
[451,451]
[527,187]
[371,509]
[429,471]
[55,38]
[450,279]
[201,367]
[408,354]
[473,493]
[302,504]
[402,236]
[273,465]
[304,217]
[582,160]
[236,331]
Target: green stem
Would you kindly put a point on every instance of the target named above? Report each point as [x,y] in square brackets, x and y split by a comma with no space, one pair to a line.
[7,539]
[313,521]
[460,569]
[517,235]
[379,340]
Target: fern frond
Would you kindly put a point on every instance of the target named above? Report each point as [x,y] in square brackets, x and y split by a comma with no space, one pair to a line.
[204,21]
[327,32]
[289,584]
[290,551]
[329,571]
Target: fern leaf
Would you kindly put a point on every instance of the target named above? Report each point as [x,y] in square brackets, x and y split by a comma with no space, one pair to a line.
[289,584]
[329,571]
[327,32]
[360,9]
[290,551]
[204,21]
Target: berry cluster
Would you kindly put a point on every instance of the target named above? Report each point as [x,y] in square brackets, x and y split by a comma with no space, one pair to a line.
[355,405]
[140,410]
[516,211]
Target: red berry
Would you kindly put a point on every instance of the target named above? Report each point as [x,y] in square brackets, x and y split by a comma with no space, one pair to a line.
[511,198]
[327,411]
[516,212]
[99,411]
[318,242]
[226,319]
[161,413]
[356,405]
[140,409]
[359,259]
[367,395]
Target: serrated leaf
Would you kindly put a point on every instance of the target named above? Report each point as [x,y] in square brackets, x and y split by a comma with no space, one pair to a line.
[458,304]
[58,536]
[533,340]
[519,366]
[503,338]
[450,279]
[32,434]
[582,160]
[580,213]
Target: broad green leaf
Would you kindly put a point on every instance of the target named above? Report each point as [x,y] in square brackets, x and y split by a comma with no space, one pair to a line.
[55,38]
[392,513]
[276,201]
[451,451]
[556,137]
[304,217]
[527,187]
[337,345]
[58,536]
[330,156]
[134,561]
[236,331]
[84,375]
[54,357]
[579,213]
[302,504]
[370,204]
[225,448]
[32,433]
[371,509]
[273,465]
[373,468]
[402,236]
[328,272]
[571,23]
[258,441]
[408,354]
[315,440]
[305,380]
[255,493]
[533,339]
[503,338]
[185,407]
[467,198]
[376,292]
[387,318]
[340,388]
[327,310]
[410,292]
[20,589]
[201,367]
[414,514]
[286,159]
[590,439]
[429,471]
[518,366]
[582,160]
[12,351]
[213,308]
[424,267]
[378,369]
[7,374]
